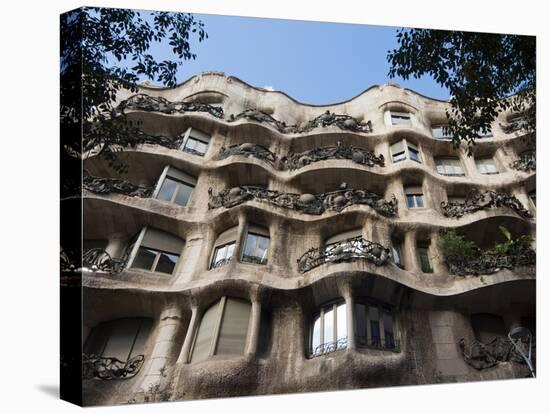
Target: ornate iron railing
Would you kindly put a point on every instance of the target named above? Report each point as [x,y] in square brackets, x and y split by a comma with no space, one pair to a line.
[526,162]
[358,155]
[248,150]
[254,259]
[476,200]
[109,368]
[328,347]
[328,118]
[102,185]
[487,262]
[355,248]
[220,263]
[482,356]
[144,102]
[96,259]
[516,124]
[306,203]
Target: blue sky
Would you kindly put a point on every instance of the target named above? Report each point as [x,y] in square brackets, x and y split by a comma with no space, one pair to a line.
[314,62]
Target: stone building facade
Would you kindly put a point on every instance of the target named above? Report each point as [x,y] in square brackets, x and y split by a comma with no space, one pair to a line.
[259,245]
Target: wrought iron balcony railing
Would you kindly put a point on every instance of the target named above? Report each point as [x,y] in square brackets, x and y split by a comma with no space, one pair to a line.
[390,344]
[358,155]
[101,185]
[109,368]
[355,248]
[476,200]
[94,260]
[526,162]
[328,118]
[328,348]
[142,102]
[306,203]
[481,356]
[220,263]
[248,150]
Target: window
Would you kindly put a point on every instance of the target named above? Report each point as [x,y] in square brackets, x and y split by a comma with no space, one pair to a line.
[423,251]
[256,246]
[195,142]
[156,251]
[402,150]
[449,166]
[533,197]
[415,197]
[397,253]
[486,166]
[223,329]
[176,187]
[400,118]
[122,339]
[329,329]
[374,325]
[349,242]
[487,134]
[439,132]
[224,248]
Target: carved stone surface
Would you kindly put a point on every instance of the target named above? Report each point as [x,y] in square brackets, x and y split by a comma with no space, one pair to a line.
[355,248]
[328,118]
[361,156]
[109,368]
[248,149]
[526,162]
[144,102]
[482,356]
[476,200]
[101,185]
[306,203]
[516,124]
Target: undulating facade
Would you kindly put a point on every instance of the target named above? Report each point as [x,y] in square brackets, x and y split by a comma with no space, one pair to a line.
[259,245]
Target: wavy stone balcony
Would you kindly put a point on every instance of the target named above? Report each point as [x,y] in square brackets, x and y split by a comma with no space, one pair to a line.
[526,162]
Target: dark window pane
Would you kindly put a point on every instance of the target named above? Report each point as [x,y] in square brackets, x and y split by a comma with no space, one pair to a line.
[184,192]
[361,324]
[144,258]
[166,263]
[414,154]
[167,189]
[419,201]
[410,201]
[375,332]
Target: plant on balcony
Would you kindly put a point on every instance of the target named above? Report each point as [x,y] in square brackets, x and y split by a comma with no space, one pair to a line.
[464,257]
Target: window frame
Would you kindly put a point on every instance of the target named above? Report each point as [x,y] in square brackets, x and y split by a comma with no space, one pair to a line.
[181,179]
[405,151]
[221,304]
[423,247]
[203,138]
[412,191]
[225,260]
[480,162]
[440,165]
[443,136]
[382,308]
[320,315]
[405,116]
[259,233]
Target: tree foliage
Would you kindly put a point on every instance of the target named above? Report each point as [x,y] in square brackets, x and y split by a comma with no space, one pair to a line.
[105,50]
[485,74]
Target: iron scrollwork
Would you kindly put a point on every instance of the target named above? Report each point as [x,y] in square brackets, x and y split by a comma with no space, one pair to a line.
[526,162]
[102,185]
[482,356]
[248,149]
[142,102]
[328,347]
[344,122]
[476,200]
[358,155]
[355,248]
[306,203]
[109,368]
[96,259]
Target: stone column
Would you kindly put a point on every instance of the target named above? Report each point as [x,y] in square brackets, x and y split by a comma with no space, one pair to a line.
[409,252]
[116,244]
[350,318]
[251,346]
[166,341]
[186,349]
